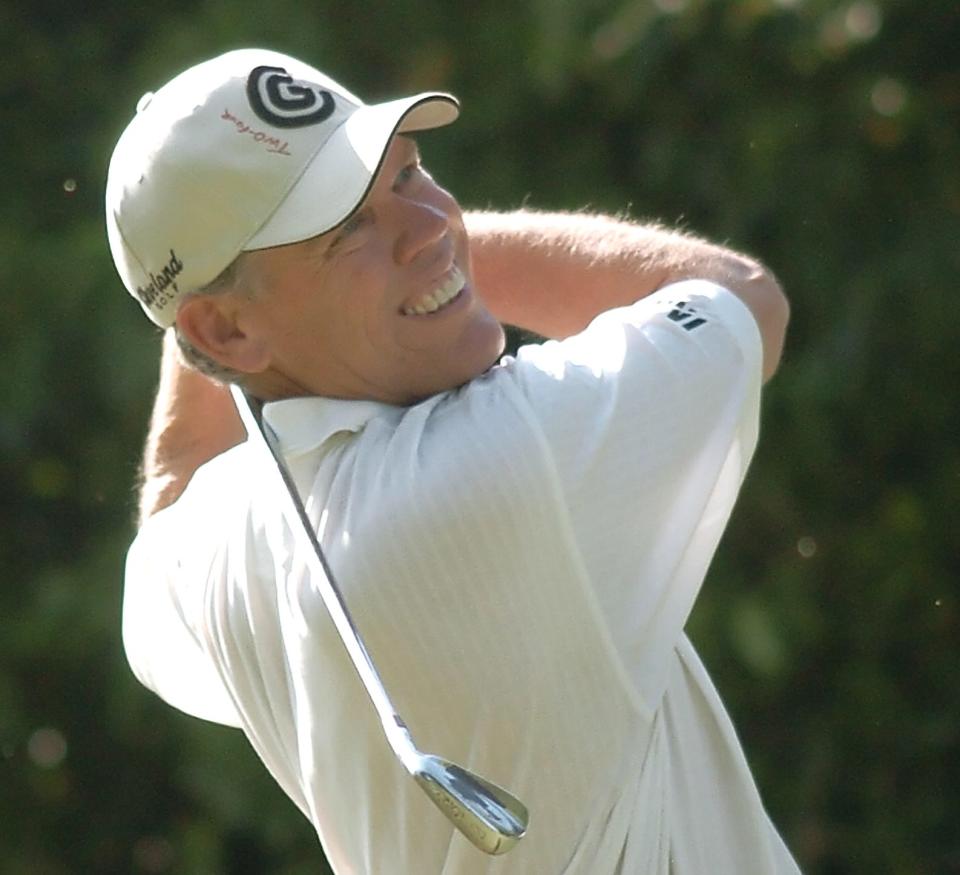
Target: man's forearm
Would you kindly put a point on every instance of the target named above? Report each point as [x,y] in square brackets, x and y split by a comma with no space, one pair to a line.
[552,273]
[194,419]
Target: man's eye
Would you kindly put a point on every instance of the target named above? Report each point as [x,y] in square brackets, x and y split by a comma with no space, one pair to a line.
[408,172]
[354,223]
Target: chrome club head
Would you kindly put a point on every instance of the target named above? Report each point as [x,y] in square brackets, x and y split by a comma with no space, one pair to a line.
[486,814]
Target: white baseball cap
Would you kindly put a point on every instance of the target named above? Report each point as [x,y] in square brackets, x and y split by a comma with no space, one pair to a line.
[248,150]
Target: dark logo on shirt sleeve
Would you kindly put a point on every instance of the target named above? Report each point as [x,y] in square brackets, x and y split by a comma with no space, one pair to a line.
[285,102]
[686,315]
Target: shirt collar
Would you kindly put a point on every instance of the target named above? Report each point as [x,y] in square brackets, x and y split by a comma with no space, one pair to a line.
[302,424]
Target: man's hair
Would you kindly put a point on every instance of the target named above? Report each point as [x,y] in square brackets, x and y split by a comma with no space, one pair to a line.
[230,279]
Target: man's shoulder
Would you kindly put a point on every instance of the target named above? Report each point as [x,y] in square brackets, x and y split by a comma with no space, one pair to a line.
[225,477]
[454,456]
[218,488]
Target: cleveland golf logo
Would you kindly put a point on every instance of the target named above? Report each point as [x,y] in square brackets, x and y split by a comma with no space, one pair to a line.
[285,102]
[154,293]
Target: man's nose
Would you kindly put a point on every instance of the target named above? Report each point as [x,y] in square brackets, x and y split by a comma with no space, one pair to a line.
[421,225]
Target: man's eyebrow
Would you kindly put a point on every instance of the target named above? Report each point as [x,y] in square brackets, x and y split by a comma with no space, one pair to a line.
[321,244]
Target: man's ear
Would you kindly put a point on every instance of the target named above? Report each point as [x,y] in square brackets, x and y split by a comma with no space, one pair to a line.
[210,323]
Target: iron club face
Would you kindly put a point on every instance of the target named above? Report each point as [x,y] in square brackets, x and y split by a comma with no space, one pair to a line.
[490,817]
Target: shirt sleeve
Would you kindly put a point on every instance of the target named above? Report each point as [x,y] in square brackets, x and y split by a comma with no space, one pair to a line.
[651,417]
[163,615]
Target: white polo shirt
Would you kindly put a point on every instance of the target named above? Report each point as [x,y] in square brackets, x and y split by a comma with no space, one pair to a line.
[521,556]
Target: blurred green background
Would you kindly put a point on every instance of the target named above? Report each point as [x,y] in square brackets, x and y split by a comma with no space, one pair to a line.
[822,136]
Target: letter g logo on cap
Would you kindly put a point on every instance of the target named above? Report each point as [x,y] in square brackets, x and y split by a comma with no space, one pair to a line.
[284,102]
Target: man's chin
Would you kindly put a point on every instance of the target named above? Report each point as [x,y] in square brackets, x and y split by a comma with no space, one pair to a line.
[273,385]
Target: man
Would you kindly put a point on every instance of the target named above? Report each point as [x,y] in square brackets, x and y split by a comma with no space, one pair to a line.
[520,542]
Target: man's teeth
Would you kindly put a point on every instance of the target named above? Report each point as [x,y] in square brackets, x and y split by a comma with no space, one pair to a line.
[444,294]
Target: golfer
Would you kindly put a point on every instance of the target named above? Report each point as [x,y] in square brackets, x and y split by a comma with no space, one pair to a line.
[519,539]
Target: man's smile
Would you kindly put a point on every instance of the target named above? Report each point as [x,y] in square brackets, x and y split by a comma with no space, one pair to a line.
[448,290]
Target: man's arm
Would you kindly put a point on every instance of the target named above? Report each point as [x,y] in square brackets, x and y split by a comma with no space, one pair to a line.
[194,419]
[552,273]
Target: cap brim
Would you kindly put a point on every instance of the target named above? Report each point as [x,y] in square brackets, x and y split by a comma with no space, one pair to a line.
[337,179]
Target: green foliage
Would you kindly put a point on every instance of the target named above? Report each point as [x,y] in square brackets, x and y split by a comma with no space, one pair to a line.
[823,136]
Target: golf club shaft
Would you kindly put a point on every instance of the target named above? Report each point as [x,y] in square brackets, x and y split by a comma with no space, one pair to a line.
[322,577]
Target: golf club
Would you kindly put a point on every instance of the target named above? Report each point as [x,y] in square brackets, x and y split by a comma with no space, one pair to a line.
[490,817]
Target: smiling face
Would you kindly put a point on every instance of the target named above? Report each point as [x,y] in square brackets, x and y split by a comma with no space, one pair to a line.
[381,307]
